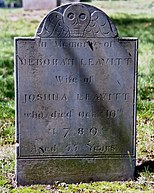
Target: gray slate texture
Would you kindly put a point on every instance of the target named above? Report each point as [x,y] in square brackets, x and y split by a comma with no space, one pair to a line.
[75,99]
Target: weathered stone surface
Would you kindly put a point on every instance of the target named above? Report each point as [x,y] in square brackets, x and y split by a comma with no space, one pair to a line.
[76,20]
[75,99]
[39,4]
[73,170]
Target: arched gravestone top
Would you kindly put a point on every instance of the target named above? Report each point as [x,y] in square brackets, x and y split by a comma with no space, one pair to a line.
[76,20]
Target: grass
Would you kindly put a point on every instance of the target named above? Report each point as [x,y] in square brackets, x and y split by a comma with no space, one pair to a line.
[132,18]
[7,130]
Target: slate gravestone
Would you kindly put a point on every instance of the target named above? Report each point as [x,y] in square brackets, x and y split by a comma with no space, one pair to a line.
[75,99]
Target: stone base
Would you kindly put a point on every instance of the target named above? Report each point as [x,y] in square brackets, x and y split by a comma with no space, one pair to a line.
[73,170]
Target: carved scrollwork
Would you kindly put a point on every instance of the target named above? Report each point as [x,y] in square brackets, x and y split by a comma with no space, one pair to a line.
[54,26]
[100,26]
[76,20]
